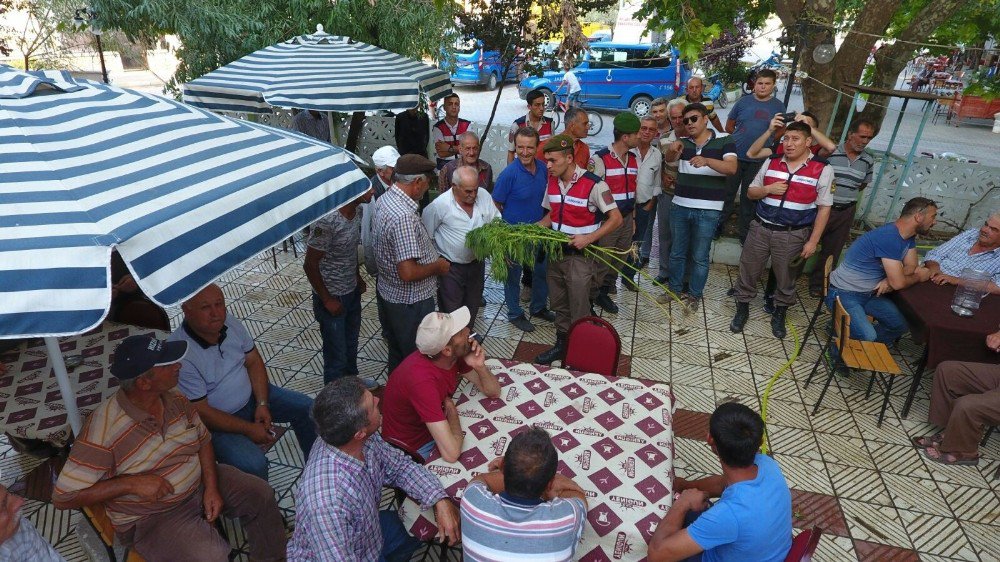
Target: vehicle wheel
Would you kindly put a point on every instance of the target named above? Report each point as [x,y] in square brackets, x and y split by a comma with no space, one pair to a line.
[550,100]
[556,119]
[596,123]
[491,84]
[640,105]
[723,101]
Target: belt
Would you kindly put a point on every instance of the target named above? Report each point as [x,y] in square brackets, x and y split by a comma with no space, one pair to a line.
[570,250]
[843,206]
[780,227]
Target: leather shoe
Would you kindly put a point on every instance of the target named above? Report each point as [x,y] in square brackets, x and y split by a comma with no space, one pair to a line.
[778,322]
[545,314]
[740,320]
[605,302]
[769,304]
[522,323]
[558,351]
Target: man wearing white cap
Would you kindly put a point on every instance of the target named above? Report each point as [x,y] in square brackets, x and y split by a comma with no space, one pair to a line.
[385,165]
[417,408]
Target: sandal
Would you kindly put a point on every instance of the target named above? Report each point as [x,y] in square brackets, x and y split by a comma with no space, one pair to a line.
[938,456]
[926,441]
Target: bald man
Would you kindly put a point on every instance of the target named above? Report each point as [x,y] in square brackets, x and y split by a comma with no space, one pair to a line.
[224,377]
[694,94]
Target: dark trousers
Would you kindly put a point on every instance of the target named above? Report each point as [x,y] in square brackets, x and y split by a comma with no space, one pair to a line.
[340,335]
[781,246]
[964,398]
[740,182]
[832,242]
[462,286]
[643,237]
[399,323]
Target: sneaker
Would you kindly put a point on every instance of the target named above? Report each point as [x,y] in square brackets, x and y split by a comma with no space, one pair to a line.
[522,323]
[665,298]
[545,314]
[370,383]
[691,304]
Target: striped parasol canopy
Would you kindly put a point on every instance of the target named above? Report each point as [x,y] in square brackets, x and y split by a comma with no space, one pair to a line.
[183,194]
[321,72]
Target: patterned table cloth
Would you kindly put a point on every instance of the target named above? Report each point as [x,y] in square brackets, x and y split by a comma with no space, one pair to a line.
[31,405]
[614,439]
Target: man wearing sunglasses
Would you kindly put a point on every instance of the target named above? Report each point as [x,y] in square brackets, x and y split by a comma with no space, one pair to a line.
[705,161]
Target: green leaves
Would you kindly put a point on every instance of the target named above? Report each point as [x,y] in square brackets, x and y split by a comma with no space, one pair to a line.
[502,243]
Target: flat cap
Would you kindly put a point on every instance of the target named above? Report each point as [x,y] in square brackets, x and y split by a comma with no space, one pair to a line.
[410,164]
[627,122]
[558,142]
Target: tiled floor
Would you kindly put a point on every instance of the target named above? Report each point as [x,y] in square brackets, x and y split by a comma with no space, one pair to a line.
[867,487]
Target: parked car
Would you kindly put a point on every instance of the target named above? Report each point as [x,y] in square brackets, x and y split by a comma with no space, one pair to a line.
[475,66]
[618,76]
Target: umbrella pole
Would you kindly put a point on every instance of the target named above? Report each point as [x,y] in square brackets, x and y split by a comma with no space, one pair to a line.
[62,377]
[354,132]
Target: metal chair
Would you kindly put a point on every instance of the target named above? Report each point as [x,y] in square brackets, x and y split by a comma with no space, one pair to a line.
[827,268]
[860,355]
[593,346]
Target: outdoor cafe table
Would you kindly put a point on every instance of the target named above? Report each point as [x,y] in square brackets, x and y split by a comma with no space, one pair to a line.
[614,437]
[31,405]
[946,335]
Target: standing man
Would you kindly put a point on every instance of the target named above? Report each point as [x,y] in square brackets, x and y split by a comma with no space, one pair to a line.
[748,119]
[313,124]
[535,119]
[794,193]
[413,131]
[332,268]
[385,165]
[578,128]
[658,111]
[519,192]
[337,514]
[649,185]
[408,263]
[448,219]
[573,89]
[468,155]
[574,199]
[446,131]
[705,161]
[618,167]
[693,94]
[852,168]
[675,113]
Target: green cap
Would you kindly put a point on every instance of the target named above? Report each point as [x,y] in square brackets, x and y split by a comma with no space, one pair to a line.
[627,122]
[559,142]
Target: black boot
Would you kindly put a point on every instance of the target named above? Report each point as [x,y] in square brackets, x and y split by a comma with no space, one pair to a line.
[768,303]
[558,351]
[740,320]
[605,302]
[778,322]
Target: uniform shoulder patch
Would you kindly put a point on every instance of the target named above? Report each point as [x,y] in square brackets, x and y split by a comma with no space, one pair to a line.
[591,166]
[607,197]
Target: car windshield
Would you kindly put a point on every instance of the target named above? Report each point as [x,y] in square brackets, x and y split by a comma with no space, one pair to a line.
[465,47]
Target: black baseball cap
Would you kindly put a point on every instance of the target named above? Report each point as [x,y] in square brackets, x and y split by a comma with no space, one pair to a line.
[137,354]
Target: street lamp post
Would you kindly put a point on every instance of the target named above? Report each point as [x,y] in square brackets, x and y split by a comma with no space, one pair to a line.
[85,17]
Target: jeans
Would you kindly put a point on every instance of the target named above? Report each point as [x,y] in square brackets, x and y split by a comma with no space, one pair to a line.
[665,201]
[891,323]
[644,221]
[340,335]
[287,406]
[539,288]
[397,544]
[691,231]
[426,450]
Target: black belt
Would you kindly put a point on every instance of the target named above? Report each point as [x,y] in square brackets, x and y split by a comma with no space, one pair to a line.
[571,250]
[843,206]
[781,227]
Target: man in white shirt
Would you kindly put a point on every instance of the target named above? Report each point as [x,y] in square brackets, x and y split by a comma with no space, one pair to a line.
[448,219]
[572,84]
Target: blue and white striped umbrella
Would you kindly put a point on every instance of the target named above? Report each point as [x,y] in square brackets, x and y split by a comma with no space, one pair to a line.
[321,72]
[182,193]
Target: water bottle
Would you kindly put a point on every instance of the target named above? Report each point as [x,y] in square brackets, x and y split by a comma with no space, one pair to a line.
[970,292]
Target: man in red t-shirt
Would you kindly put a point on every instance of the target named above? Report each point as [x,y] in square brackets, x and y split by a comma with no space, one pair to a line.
[417,409]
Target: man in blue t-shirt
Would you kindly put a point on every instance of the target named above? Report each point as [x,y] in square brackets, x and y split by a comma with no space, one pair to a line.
[752,519]
[518,194]
[748,119]
[882,260]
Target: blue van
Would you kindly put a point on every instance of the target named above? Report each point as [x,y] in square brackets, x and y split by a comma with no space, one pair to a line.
[618,76]
[477,67]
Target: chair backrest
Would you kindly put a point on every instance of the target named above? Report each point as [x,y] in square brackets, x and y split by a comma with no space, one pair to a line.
[841,323]
[827,268]
[804,545]
[593,346]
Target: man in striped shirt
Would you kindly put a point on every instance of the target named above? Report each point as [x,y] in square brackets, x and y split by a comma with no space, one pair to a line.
[145,455]
[522,509]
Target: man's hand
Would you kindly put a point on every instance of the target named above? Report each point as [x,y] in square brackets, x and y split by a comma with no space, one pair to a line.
[942,279]
[649,205]
[922,273]
[10,514]
[776,123]
[450,410]
[693,499]
[668,182]
[443,267]
[126,284]
[150,487]
[699,161]
[993,341]
[213,504]
[581,241]
[559,485]
[777,188]
[333,306]
[681,484]
[259,434]
[883,287]
[477,357]
[447,521]
[808,249]
[262,415]
[495,465]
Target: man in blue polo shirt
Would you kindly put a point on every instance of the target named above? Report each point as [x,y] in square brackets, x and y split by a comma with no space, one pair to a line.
[518,194]
[752,519]
[224,377]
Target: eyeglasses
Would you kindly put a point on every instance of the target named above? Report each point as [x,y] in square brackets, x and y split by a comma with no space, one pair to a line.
[692,119]
[648,129]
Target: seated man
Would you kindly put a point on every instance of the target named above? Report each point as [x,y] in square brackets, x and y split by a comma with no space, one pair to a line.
[225,378]
[882,260]
[964,399]
[337,513]
[975,249]
[146,456]
[419,411]
[19,540]
[752,519]
[522,491]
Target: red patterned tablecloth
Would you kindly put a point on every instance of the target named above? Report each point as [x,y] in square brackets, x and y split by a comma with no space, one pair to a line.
[614,439]
[31,405]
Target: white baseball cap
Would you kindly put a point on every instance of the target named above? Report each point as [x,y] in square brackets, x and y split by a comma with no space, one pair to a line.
[385,156]
[437,329]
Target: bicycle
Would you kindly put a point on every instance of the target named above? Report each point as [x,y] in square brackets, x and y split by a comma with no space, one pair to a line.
[718,92]
[559,106]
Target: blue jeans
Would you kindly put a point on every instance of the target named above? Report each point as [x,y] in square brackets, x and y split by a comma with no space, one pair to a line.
[891,323]
[691,232]
[644,229]
[397,544]
[287,406]
[539,288]
[340,335]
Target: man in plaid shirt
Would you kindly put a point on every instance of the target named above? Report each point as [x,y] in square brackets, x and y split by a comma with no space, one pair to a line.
[337,503]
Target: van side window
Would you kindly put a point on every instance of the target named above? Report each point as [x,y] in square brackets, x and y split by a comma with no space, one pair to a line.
[641,58]
[601,58]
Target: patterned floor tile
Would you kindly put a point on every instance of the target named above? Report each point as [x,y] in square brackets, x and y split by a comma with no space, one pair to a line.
[690,424]
[859,484]
[689,374]
[694,398]
[915,494]
[791,441]
[808,475]
[835,549]
[875,523]
[937,535]
[818,510]
[695,455]
[874,552]
[984,539]
[844,450]
[972,504]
